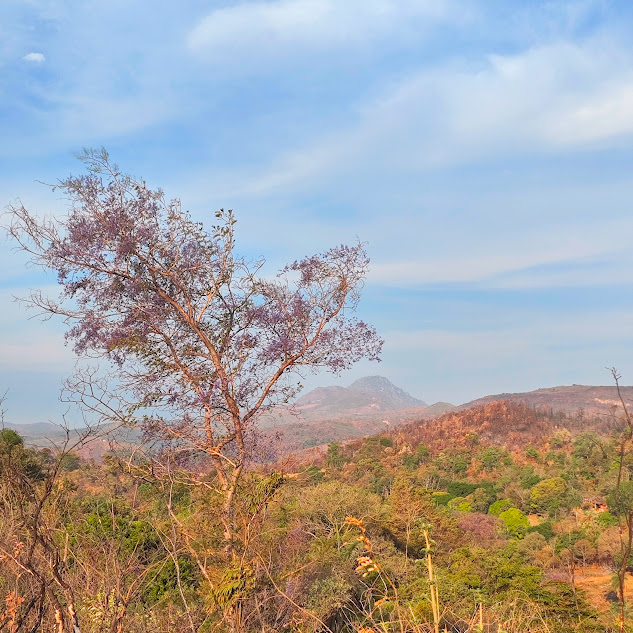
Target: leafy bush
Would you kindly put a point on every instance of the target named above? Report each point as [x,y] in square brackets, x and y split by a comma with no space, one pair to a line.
[606,520]
[516,522]
[545,528]
[500,506]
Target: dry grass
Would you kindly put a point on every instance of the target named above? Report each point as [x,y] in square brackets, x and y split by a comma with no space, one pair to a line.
[596,581]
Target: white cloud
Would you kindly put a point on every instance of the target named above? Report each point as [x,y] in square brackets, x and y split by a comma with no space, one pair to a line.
[474,345]
[534,328]
[254,29]
[546,100]
[30,343]
[607,114]
[103,83]
[613,269]
[34,58]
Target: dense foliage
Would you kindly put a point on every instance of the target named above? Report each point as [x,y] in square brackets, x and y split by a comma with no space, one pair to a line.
[519,539]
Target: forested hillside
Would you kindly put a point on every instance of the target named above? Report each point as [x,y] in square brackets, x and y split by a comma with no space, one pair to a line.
[500,518]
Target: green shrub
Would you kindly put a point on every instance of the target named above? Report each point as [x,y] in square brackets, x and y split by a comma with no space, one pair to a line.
[516,522]
[545,528]
[500,506]
[606,520]
[442,499]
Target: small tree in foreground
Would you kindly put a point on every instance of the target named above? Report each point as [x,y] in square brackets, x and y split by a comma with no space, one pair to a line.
[621,498]
[200,341]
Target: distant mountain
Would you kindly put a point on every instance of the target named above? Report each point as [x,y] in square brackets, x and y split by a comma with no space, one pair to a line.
[366,407]
[370,396]
[327,414]
[333,401]
[439,408]
[88,443]
[385,391]
[38,429]
[592,400]
[40,434]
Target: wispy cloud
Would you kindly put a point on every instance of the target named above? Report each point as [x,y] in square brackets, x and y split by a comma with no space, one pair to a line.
[536,351]
[35,58]
[36,353]
[31,344]
[536,329]
[532,259]
[99,84]
[253,31]
[546,100]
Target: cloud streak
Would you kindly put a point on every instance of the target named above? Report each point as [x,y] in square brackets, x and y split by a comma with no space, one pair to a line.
[537,258]
[547,100]
[250,32]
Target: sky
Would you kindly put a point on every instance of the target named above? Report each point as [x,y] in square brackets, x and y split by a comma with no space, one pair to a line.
[483,151]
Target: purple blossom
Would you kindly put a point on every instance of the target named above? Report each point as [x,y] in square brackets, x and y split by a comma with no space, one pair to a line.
[199,342]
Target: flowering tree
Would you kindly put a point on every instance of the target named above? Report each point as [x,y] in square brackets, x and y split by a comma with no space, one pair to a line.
[200,341]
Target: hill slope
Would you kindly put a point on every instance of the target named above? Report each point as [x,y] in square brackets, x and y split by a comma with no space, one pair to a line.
[592,400]
[508,423]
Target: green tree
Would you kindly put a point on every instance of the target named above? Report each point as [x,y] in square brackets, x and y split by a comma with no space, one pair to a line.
[334,457]
[480,500]
[532,453]
[560,439]
[545,528]
[407,507]
[500,506]
[491,457]
[516,522]
[459,503]
[531,545]
[419,456]
[550,495]
[10,439]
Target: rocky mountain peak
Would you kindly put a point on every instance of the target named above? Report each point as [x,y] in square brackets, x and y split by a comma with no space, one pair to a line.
[383,389]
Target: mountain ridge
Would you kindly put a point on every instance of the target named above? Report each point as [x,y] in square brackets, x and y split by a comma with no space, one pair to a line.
[592,399]
[371,405]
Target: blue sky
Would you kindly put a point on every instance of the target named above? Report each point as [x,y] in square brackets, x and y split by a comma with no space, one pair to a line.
[483,150]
